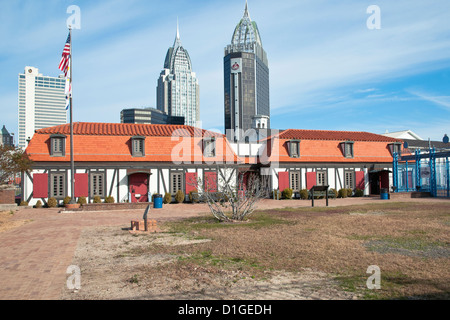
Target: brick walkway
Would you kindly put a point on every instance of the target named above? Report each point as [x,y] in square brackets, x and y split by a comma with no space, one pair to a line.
[34,257]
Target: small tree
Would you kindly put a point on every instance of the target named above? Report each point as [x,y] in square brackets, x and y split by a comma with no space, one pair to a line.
[236,195]
[12,161]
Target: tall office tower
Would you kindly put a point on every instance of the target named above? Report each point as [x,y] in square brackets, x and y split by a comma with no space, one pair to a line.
[178,92]
[246,80]
[42,103]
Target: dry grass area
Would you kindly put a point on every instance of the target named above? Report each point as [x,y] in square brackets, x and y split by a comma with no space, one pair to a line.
[302,253]
[6,223]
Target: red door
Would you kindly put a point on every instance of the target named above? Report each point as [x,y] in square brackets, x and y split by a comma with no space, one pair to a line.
[138,184]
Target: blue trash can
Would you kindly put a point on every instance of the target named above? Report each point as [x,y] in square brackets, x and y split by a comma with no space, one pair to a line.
[158,201]
[384,194]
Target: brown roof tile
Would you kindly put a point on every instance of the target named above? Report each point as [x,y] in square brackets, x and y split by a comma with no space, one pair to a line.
[128,129]
[333,135]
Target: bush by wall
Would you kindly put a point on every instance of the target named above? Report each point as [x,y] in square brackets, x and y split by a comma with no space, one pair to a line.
[342,193]
[67,200]
[167,198]
[38,204]
[359,193]
[97,199]
[332,193]
[179,196]
[82,200]
[193,196]
[349,192]
[304,194]
[109,199]
[52,203]
[287,193]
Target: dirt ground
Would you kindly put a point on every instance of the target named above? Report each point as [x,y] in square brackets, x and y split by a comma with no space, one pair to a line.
[7,223]
[280,254]
[113,266]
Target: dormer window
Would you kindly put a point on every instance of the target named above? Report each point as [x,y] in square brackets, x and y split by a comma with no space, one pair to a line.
[209,147]
[395,147]
[138,146]
[58,145]
[294,148]
[347,149]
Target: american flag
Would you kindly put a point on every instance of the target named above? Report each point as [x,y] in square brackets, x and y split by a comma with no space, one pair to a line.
[64,63]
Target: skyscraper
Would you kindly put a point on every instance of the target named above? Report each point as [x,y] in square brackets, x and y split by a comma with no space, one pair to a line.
[42,103]
[178,90]
[246,80]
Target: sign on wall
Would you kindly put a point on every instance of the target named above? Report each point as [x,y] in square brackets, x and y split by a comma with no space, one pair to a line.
[236,65]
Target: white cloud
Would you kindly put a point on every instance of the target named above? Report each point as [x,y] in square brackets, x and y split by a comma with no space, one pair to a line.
[442,101]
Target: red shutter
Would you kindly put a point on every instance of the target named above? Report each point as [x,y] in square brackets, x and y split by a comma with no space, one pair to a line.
[211,181]
[310,180]
[191,181]
[81,185]
[359,180]
[40,185]
[283,180]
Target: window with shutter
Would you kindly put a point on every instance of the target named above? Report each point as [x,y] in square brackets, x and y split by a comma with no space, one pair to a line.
[321,178]
[138,146]
[57,185]
[294,148]
[57,145]
[294,179]
[98,184]
[176,182]
[349,179]
[209,147]
[347,149]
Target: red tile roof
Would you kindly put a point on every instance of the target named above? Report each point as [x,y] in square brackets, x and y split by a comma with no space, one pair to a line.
[334,135]
[128,129]
[112,142]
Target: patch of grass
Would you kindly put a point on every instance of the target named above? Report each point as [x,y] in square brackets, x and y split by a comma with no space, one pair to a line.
[208,259]
[256,220]
[134,279]
[390,284]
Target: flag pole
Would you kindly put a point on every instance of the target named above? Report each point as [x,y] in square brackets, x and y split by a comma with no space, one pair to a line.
[72,164]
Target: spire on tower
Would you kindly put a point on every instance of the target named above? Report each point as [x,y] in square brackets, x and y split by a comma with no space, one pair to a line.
[177,37]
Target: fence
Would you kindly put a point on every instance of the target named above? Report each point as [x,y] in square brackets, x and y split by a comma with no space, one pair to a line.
[427,172]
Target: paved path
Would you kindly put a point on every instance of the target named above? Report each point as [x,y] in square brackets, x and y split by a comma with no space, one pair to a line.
[34,257]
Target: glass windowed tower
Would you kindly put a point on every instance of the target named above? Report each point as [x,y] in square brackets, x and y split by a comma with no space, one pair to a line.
[178,91]
[246,80]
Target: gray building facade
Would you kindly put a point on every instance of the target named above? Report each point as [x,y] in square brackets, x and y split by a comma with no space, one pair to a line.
[246,80]
[6,138]
[149,116]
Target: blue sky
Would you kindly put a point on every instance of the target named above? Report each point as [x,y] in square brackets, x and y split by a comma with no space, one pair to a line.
[327,69]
